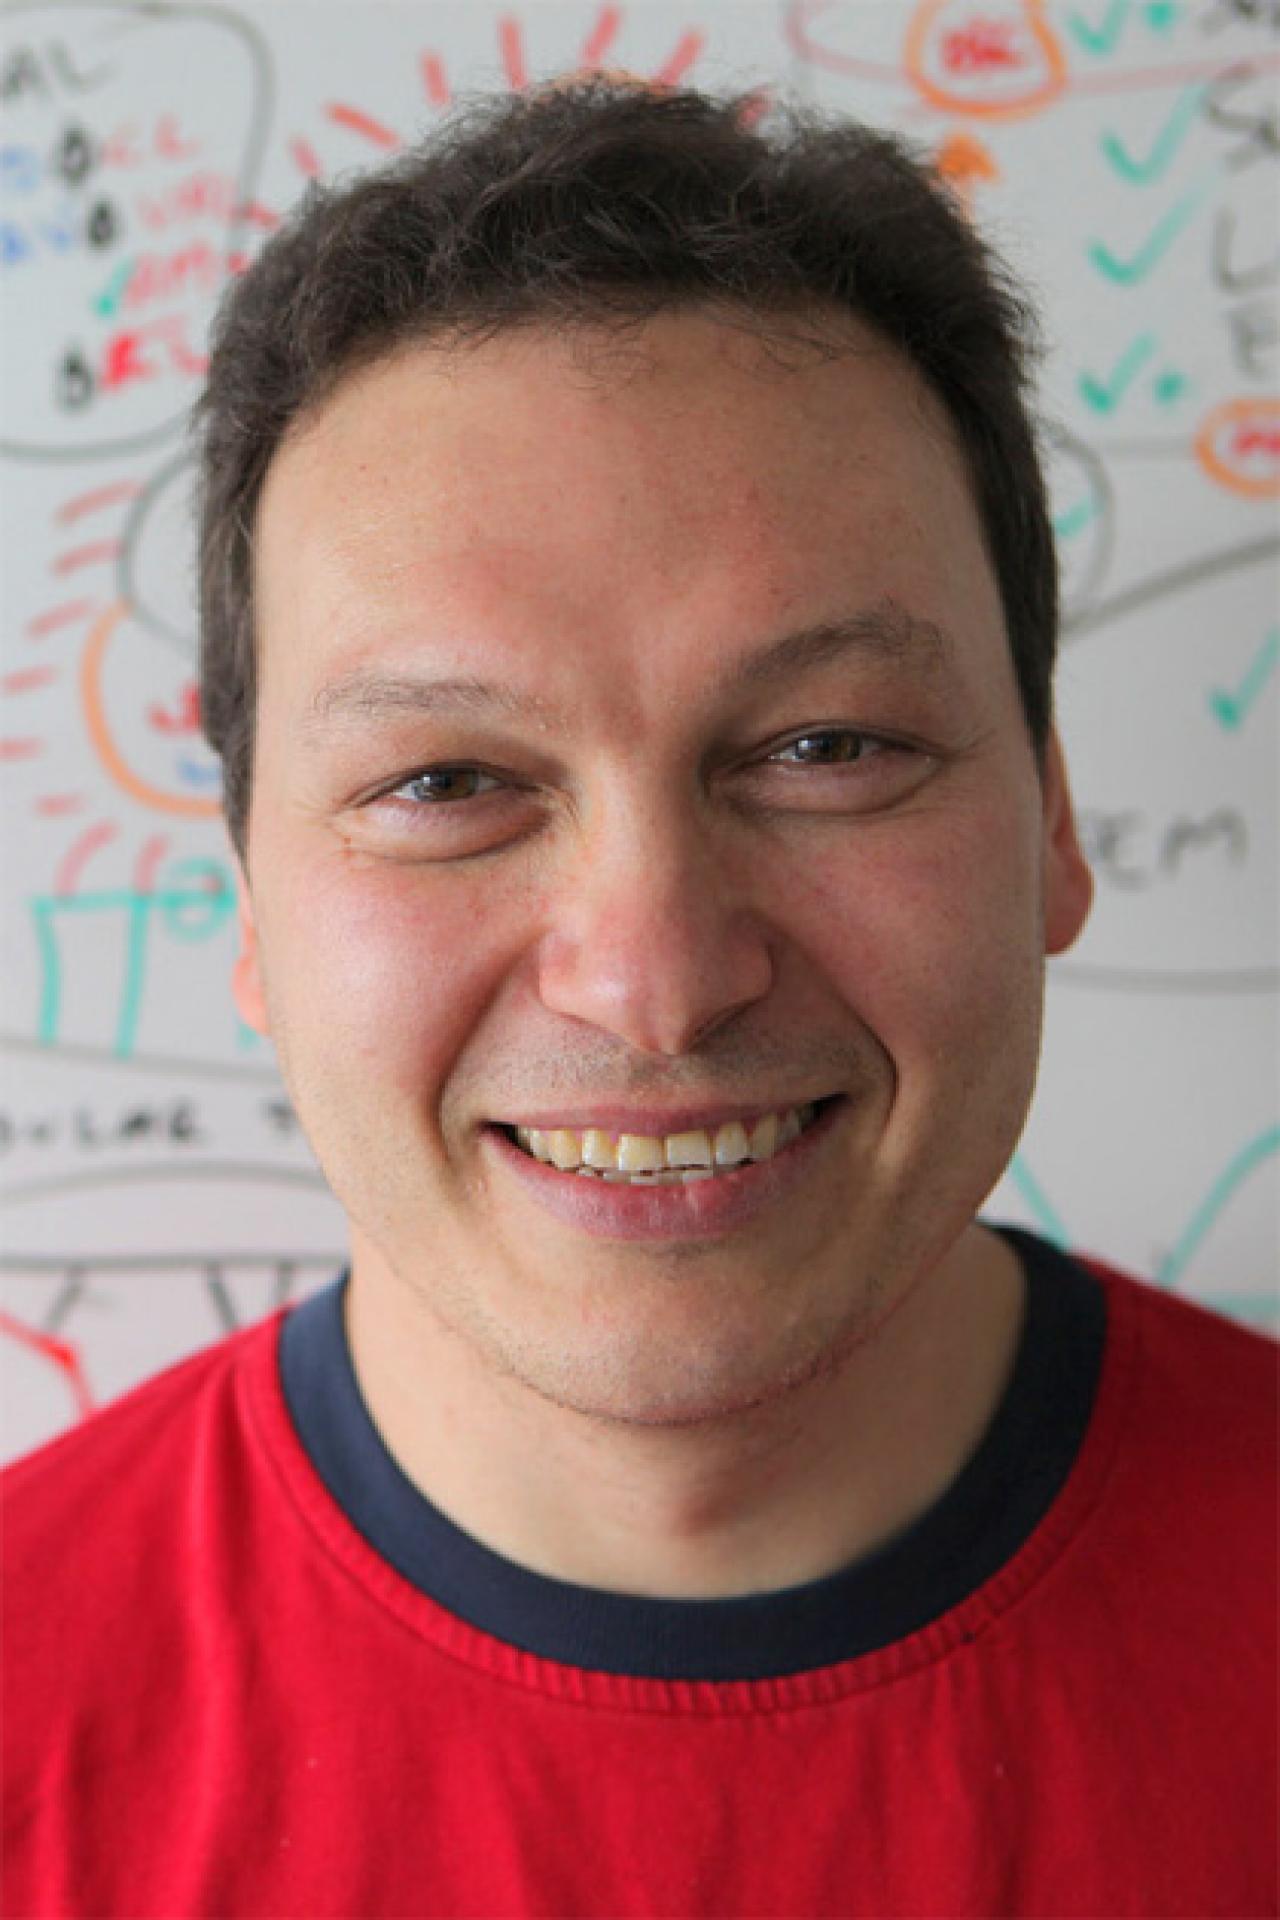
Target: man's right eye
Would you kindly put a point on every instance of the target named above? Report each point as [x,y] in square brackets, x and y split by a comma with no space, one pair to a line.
[438,785]
[442,813]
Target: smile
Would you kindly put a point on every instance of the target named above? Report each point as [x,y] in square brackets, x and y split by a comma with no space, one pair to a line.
[673,1159]
[706,1194]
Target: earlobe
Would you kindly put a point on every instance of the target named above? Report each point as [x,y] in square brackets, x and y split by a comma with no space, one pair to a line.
[1068,883]
[247,988]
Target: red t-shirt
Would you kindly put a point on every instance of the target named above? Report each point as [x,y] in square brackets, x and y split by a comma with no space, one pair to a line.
[223,1699]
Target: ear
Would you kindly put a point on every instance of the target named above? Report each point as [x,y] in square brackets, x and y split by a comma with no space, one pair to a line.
[247,986]
[1068,883]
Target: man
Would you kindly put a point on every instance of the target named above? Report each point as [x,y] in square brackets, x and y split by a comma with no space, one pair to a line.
[628,614]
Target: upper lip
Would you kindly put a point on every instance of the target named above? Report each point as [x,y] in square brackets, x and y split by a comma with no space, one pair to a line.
[650,1121]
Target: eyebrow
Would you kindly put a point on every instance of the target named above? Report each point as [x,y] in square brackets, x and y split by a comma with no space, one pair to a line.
[883,632]
[886,632]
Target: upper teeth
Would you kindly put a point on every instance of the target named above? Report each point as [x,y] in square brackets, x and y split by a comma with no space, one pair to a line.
[626,1153]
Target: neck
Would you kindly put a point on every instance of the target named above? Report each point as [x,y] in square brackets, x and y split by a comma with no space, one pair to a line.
[757,1501]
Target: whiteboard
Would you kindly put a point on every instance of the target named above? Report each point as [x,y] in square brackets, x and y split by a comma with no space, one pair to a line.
[155,1191]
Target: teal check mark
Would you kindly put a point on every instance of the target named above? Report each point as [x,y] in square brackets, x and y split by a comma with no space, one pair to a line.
[1243,1164]
[1159,157]
[112,294]
[1104,396]
[1075,519]
[1102,38]
[1233,709]
[1153,249]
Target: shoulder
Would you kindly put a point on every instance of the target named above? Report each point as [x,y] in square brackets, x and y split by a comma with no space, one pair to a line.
[1181,1336]
[118,1533]
[123,1543]
[1195,1398]
[116,1475]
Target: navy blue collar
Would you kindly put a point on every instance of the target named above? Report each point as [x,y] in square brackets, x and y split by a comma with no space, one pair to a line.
[972,1530]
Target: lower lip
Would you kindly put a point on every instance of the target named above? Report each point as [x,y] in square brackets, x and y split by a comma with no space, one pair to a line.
[702,1210]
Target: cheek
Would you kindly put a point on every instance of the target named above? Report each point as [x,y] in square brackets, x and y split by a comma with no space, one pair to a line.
[931,937]
[386,973]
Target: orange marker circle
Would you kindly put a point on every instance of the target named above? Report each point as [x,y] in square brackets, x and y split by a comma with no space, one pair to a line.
[1043,86]
[1240,431]
[104,743]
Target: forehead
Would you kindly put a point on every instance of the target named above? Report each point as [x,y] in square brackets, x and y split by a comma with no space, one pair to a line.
[544,489]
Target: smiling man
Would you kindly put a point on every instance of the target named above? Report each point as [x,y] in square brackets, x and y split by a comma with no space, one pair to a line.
[628,619]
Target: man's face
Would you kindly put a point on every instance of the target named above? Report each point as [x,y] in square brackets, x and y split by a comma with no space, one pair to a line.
[734,812]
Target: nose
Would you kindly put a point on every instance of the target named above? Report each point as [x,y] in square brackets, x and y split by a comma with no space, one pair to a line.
[651,938]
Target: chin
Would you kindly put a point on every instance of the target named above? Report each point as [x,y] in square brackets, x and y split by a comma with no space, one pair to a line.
[689,1377]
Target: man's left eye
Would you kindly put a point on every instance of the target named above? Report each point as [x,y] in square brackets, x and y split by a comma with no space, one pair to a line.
[835,747]
[441,784]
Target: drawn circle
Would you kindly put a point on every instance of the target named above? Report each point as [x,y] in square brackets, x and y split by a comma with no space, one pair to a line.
[1084,518]
[157,557]
[114,762]
[152,46]
[75,157]
[1255,414]
[1043,87]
